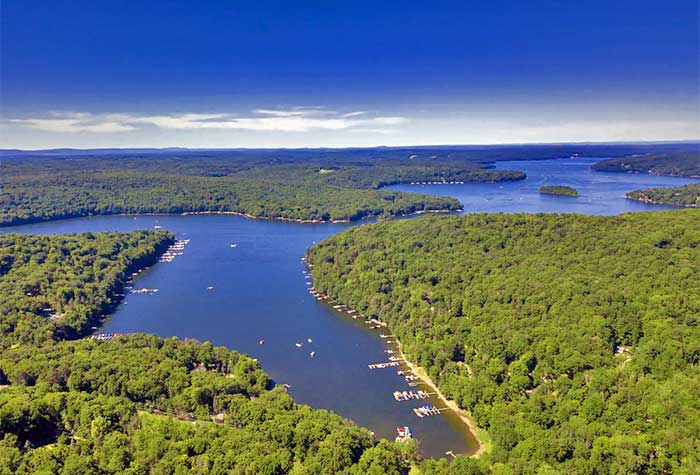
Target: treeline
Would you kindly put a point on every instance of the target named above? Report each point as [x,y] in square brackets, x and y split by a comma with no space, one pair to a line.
[58,287]
[574,340]
[686,164]
[140,404]
[40,188]
[687,196]
[558,190]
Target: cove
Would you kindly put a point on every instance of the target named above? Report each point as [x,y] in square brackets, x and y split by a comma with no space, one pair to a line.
[258,291]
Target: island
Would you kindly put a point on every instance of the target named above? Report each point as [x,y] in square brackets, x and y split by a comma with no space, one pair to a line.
[569,339]
[684,196]
[680,163]
[558,190]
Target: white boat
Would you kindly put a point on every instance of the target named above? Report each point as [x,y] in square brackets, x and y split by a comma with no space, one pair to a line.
[233,244]
[312,354]
[298,345]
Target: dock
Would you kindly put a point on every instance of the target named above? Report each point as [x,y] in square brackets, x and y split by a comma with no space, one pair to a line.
[388,364]
[402,396]
[426,411]
[174,251]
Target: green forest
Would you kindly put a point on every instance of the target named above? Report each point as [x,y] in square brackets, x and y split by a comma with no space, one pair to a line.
[139,404]
[558,190]
[686,196]
[58,287]
[686,164]
[304,189]
[573,340]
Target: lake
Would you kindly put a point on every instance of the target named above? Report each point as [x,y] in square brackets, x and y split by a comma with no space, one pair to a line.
[237,296]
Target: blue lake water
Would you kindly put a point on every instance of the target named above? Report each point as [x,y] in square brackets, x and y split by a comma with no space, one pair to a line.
[259,292]
[601,193]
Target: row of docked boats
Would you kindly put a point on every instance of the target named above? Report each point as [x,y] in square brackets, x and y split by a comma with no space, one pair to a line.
[144,291]
[105,336]
[442,182]
[174,250]
[409,395]
[426,411]
[388,364]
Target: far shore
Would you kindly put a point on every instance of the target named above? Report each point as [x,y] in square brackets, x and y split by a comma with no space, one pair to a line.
[233,213]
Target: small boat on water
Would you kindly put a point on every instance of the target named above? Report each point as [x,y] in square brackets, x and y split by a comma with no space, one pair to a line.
[309,340]
[312,354]
[233,244]
[261,342]
[210,288]
[403,433]
[298,345]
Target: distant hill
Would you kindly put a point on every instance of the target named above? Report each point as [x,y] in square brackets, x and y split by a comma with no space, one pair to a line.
[685,164]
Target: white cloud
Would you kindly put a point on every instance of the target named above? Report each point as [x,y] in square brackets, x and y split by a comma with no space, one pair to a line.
[71,125]
[281,120]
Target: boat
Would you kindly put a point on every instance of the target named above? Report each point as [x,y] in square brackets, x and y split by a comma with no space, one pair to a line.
[309,340]
[233,244]
[210,288]
[312,354]
[298,345]
[261,342]
[403,433]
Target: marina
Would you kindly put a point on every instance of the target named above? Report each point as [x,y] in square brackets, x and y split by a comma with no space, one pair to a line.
[174,250]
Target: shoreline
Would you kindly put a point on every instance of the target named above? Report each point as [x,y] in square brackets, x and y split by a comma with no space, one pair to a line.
[461,413]
[236,213]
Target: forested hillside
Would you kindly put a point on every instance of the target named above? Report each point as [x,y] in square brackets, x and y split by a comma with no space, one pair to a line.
[574,340]
[686,196]
[686,163]
[142,404]
[57,287]
[41,188]
[139,404]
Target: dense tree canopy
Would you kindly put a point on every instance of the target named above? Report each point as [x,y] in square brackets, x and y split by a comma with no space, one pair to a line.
[686,163]
[139,404]
[687,196]
[574,340]
[142,404]
[558,190]
[56,287]
[40,188]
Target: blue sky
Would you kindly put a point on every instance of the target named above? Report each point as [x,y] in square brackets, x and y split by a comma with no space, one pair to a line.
[249,74]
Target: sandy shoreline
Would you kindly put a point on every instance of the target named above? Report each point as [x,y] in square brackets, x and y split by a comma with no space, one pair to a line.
[462,414]
[425,379]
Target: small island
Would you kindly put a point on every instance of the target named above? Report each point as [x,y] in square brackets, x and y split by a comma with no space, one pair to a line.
[558,190]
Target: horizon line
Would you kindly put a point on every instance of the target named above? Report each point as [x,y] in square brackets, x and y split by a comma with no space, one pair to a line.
[508,144]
